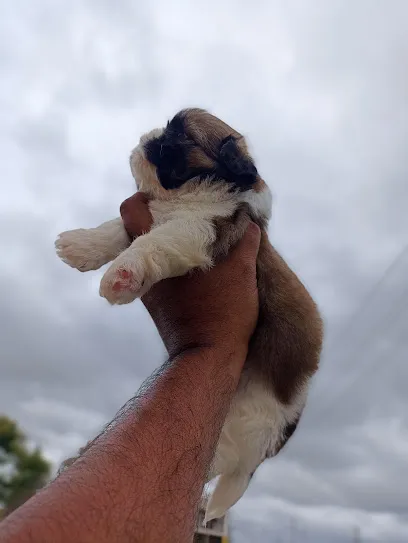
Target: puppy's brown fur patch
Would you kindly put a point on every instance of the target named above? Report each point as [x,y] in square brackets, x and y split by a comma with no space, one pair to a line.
[230,230]
[259,186]
[208,131]
[285,348]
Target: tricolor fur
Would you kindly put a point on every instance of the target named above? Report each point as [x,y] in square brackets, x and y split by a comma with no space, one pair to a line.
[204,188]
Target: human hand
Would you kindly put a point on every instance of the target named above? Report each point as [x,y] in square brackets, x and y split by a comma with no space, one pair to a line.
[217,308]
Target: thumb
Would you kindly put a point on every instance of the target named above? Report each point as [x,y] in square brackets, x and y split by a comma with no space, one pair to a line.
[251,240]
[136,215]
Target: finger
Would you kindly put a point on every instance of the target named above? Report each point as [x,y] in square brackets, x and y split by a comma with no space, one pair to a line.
[250,241]
[136,215]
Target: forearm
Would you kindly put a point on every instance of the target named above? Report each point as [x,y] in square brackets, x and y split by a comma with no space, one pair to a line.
[142,478]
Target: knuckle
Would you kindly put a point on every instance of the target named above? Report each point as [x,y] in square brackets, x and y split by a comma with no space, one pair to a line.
[125,207]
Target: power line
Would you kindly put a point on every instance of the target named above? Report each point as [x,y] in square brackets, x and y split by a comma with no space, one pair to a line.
[291,530]
[393,316]
[356,535]
[366,299]
[394,264]
[349,325]
[343,337]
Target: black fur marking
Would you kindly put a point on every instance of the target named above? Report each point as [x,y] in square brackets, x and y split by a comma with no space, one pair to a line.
[176,125]
[236,167]
[287,433]
[169,153]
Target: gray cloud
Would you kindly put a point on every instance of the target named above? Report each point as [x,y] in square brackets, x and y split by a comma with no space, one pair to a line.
[320,90]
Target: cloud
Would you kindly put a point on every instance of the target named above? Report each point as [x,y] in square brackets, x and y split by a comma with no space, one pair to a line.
[320,90]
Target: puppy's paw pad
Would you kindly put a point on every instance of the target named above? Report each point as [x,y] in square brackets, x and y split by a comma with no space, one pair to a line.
[122,284]
[124,281]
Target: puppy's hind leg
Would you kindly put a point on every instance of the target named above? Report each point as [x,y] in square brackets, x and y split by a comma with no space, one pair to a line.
[257,427]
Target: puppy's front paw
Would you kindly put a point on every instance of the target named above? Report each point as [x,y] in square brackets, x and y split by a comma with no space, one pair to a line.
[78,249]
[124,281]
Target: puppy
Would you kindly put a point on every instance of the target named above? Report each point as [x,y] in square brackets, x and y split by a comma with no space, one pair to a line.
[204,189]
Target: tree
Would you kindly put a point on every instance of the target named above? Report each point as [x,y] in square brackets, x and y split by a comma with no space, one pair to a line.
[22,471]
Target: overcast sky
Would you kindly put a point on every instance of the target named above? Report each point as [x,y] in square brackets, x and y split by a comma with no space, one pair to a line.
[320,89]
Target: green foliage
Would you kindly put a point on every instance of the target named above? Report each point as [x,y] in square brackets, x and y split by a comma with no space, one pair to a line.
[22,471]
[10,435]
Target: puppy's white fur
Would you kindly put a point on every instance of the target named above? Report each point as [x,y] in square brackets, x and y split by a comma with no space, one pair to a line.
[254,425]
[89,249]
[180,240]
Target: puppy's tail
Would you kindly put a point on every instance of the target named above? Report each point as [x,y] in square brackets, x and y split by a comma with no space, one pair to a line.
[230,487]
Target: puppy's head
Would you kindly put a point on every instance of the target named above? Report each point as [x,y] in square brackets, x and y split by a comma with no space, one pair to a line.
[194,145]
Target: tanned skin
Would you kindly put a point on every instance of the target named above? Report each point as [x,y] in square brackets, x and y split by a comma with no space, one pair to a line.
[141,480]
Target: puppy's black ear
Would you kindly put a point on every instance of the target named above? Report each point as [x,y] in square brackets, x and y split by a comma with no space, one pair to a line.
[239,169]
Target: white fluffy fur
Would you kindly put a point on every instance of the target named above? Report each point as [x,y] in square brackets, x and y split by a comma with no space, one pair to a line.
[180,240]
[89,249]
[260,202]
[253,428]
